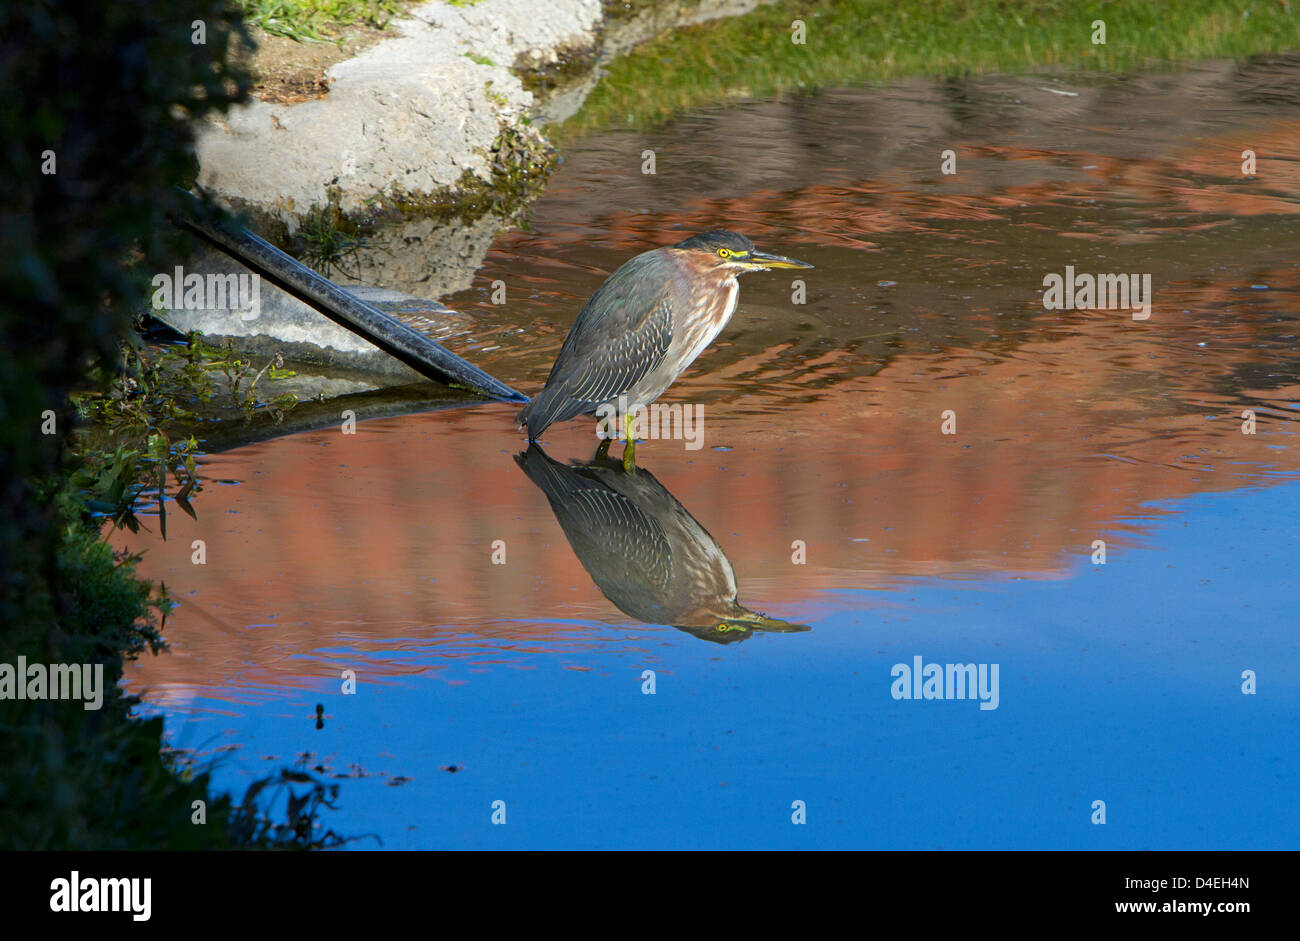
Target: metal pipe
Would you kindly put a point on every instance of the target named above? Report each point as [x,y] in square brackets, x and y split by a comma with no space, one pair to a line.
[392,336]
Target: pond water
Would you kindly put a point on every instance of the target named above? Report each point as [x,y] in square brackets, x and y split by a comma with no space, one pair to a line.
[500,637]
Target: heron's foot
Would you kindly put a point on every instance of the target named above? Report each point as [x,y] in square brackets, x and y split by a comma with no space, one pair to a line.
[629,450]
[602,451]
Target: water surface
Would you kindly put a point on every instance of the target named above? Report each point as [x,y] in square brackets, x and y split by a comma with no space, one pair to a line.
[826,487]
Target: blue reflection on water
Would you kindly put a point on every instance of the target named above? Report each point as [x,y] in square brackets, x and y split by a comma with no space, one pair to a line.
[1119,683]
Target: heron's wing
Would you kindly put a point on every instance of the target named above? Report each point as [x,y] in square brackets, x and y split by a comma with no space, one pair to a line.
[624,550]
[622,333]
[623,547]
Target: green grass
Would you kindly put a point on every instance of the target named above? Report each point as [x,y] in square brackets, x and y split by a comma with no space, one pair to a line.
[318,20]
[853,41]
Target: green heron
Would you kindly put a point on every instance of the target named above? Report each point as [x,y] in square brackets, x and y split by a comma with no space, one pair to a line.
[644,551]
[643,327]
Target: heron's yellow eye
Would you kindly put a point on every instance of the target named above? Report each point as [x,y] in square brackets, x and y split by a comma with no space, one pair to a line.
[724,253]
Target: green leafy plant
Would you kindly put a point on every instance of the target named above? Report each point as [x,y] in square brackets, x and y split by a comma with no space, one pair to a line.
[318,20]
[253,823]
[328,241]
[133,453]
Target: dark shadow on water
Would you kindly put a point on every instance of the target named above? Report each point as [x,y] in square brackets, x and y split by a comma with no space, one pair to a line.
[644,551]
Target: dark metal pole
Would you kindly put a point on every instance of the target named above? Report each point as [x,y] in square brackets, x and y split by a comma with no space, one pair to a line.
[392,336]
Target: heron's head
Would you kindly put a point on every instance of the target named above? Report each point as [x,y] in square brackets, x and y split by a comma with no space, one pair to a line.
[721,250]
[732,621]
[734,630]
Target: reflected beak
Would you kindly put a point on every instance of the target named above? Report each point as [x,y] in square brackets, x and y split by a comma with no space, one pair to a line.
[752,620]
[761,260]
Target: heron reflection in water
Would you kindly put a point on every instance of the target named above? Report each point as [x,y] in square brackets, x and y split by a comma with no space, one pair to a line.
[643,550]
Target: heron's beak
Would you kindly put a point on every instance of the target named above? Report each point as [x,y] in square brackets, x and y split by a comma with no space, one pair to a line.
[752,620]
[760,260]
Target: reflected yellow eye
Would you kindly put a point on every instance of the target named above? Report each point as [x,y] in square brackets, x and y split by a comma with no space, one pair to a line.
[724,253]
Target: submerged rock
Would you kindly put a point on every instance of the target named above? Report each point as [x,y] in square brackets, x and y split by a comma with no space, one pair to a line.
[279,323]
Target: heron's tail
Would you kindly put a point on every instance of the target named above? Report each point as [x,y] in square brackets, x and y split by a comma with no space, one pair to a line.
[549,475]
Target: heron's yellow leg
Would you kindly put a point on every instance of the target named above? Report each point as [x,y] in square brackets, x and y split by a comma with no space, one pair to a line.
[629,450]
